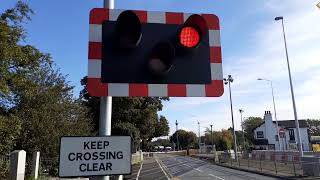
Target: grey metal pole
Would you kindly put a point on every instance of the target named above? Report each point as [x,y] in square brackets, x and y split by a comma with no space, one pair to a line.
[234,132]
[244,141]
[199,140]
[211,137]
[105,104]
[274,109]
[108,4]
[291,87]
[275,115]
[177,136]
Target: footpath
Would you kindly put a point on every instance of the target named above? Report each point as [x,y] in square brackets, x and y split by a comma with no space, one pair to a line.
[149,169]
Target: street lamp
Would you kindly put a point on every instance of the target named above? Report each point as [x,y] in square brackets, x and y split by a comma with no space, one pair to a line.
[228,81]
[199,140]
[177,135]
[291,87]
[211,137]
[274,108]
[244,141]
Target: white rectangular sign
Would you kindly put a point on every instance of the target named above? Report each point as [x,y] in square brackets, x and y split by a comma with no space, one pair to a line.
[94,156]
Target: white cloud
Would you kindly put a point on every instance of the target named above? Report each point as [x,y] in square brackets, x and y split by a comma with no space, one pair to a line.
[266,59]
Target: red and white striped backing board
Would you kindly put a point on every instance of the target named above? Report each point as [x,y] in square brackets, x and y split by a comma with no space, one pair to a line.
[99,89]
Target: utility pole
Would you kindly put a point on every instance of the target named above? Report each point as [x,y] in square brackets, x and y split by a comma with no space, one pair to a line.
[177,136]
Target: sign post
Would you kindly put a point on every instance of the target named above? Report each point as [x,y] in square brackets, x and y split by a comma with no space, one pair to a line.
[94,156]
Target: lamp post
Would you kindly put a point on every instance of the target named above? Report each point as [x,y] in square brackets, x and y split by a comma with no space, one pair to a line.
[211,137]
[291,87]
[274,108]
[199,140]
[177,136]
[244,141]
[228,81]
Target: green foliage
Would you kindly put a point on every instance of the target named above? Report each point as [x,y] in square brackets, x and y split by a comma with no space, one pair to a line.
[186,139]
[314,127]
[127,129]
[4,170]
[36,102]
[17,61]
[222,139]
[249,124]
[141,112]
[162,127]
[9,131]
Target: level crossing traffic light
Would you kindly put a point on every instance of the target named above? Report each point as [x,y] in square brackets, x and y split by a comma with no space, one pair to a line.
[141,53]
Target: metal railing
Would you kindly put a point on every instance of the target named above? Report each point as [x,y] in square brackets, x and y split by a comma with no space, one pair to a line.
[276,167]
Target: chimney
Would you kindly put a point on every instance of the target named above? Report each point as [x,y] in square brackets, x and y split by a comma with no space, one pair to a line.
[268,124]
[267,116]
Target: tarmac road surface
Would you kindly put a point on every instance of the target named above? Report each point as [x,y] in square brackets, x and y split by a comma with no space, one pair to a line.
[165,166]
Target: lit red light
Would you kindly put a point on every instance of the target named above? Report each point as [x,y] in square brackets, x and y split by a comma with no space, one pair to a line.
[189,37]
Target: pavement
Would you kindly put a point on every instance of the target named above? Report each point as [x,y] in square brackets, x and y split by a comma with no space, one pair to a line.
[165,166]
[149,169]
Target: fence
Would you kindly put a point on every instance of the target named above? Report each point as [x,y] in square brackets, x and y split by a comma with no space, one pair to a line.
[5,158]
[276,164]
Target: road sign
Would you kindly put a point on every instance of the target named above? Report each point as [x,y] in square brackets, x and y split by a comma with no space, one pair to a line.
[94,156]
[141,53]
[282,132]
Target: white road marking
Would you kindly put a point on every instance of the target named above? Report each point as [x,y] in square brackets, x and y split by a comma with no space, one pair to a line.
[217,177]
[139,171]
[162,168]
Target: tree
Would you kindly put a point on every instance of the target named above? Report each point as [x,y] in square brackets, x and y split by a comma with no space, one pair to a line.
[226,140]
[47,113]
[36,102]
[17,61]
[186,139]
[9,131]
[162,127]
[249,124]
[141,112]
[128,129]
[314,127]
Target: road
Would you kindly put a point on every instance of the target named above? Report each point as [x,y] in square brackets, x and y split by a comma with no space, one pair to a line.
[165,166]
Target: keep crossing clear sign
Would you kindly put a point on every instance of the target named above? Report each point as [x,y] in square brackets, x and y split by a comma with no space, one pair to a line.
[94,156]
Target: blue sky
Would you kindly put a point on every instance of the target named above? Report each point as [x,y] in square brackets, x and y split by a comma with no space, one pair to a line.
[252,47]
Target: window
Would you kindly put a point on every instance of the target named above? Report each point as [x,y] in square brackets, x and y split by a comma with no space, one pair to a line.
[291,135]
[260,134]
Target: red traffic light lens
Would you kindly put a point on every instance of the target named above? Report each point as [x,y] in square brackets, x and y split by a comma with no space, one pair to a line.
[189,37]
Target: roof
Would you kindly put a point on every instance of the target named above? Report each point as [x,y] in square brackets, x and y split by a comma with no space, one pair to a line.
[292,124]
[287,124]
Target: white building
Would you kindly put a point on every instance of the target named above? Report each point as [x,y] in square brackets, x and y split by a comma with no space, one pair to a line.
[266,138]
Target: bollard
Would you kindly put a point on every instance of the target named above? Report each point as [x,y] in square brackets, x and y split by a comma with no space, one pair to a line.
[35,165]
[17,165]
[141,156]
